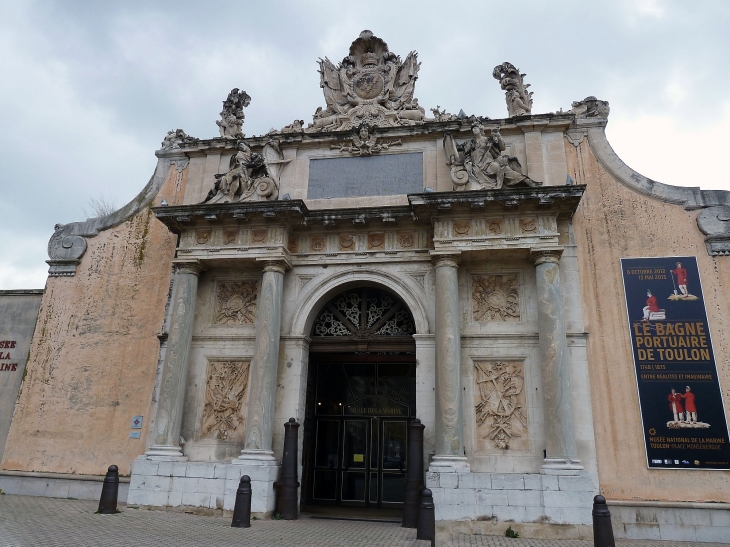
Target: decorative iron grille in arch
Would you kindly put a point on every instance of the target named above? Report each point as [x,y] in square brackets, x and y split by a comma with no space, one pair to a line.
[364,313]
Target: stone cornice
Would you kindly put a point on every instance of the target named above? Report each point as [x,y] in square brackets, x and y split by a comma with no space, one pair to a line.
[562,200]
[508,126]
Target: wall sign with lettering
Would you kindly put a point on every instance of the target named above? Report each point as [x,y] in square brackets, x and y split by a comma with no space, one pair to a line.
[7,362]
[682,410]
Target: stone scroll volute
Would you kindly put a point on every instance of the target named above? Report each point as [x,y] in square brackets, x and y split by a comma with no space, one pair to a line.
[501,413]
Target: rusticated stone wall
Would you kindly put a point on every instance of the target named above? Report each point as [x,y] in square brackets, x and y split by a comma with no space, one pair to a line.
[614,222]
[94,353]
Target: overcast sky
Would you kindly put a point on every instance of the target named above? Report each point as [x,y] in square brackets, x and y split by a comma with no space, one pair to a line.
[89,89]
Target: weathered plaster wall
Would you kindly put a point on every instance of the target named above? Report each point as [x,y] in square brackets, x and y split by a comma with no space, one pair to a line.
[94,353]
[18,315]
[613,222]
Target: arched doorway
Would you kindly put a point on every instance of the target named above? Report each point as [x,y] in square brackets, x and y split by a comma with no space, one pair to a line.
[361,396]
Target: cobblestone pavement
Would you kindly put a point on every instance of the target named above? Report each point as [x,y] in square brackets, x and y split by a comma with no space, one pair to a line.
[40,522]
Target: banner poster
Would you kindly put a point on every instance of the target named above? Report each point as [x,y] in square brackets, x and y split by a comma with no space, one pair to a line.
[679,392]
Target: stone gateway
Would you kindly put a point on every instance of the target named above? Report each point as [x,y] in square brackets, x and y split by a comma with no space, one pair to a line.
[366,269]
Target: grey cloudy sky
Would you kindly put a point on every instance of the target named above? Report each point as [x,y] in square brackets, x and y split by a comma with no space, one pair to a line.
[89,89]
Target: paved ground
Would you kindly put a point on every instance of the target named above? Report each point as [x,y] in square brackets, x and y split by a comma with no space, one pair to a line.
[41,522]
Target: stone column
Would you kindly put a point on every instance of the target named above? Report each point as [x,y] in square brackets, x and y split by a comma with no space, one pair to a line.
[559,429]
[448,442]
[175,367]
[262,379]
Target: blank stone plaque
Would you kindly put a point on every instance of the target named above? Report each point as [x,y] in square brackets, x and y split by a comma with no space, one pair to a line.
[386,175]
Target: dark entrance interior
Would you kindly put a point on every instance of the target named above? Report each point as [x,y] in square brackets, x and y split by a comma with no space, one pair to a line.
[361,396]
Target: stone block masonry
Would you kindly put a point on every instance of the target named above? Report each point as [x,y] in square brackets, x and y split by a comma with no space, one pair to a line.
[200,484]
[516,497]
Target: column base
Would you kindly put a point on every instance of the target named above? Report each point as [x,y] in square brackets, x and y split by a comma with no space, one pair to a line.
[165,453]
[442,463]
[256,457]
[560,466]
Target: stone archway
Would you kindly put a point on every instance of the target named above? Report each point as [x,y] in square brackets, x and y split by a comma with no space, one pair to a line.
[361,396]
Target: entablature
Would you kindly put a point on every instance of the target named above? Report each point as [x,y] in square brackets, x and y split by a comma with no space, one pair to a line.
[520,218]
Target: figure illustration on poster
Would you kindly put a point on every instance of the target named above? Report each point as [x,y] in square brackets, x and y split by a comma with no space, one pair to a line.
[675,405]
[652,312]
[679,278]
[684,410]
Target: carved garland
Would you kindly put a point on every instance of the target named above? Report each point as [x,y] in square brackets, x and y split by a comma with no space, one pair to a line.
[224,393]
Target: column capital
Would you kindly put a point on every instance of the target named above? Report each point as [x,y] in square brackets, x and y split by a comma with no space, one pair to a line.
[278,264]
[446,258]
[541,255]
[194,267]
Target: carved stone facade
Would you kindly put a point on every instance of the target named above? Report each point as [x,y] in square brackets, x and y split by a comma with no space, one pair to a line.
[236,303]
[495,298]
[225,392]
[477,227]
[501,413]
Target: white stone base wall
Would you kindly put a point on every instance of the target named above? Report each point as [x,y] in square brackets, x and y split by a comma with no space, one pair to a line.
[200,484]
[60,486]
[703,522]
[516,497]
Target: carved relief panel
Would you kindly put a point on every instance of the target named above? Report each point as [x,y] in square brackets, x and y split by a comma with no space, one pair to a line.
[501,412]
[497,232]
[360,242]
[495,298]
[235,302]
[224,397]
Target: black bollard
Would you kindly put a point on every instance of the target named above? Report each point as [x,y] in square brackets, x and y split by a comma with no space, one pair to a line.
[426,518]
[242,509]
[287,487]
[602,529]
[109,492]
[414,475]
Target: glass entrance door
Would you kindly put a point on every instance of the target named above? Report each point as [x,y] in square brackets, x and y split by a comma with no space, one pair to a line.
[392,460]
[361,462]
[360,414]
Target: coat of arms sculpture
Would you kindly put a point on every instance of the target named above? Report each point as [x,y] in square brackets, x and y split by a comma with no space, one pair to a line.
[370,86]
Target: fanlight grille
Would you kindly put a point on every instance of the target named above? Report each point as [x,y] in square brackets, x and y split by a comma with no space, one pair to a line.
[364,313]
